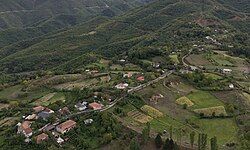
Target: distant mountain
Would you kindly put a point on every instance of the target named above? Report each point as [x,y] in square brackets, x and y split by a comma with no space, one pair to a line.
[23,19]
[137,34]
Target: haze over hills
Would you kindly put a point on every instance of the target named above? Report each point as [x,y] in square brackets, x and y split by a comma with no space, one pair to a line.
[164,21]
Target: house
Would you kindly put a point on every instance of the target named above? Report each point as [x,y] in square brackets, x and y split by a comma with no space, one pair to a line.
[193,68]
[231,86]
[41,137]
[44,115]
[128,75]
[121,86]
[59,140]
[48,128]
[122,60]
[38,109]
[140,78]
[95,106]
[226,71]
[31,117]
[25,128]
[64,111]
[66,126]
[48,110]
[81,106]
[88,121]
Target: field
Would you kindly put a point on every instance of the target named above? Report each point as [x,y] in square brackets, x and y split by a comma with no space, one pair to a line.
[212,76]
[174,58]
[49,99]
[138,116]
[210,111]
[224,129]
[2,106]
[198,60]
[184,100]
[221,60]
[10,93]
[203,99]
[77,84]
[151,111]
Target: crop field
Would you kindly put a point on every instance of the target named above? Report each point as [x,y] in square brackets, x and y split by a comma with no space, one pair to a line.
[224,129]
[221,60]
[210,111]
[203,99]
[198,60]
[184,100]
[151,111]
[10,93]
[8,121]
[2,106]
[49,99]
[140,117]
[182,88]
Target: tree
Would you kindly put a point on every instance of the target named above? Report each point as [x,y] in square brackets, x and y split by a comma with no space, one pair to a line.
[134,145]
[158,141]
[166,144]
[171,132]
[202,141]
[192,135]
[213,142]
[145,133]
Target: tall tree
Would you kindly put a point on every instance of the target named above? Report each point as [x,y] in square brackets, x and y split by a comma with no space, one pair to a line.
[192,135]
[158,141]
[213,142]
[171,132]
[166,144]
[145,133]
[134,145]
[202,141]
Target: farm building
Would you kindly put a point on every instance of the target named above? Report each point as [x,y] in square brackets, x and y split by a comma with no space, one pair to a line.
[81,106]
[31,117]
[121,86]
[41,137]
[95,106]
[226,71]
[66,126]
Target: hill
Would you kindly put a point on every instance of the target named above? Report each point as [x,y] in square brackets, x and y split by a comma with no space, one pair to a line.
[139,34]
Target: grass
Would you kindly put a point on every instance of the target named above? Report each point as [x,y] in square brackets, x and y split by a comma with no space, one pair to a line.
[151,111]
[221,60]
[213,76]
[174,58]
[9,93]
[217,111]
[203,99]
[184,100]
[224,129]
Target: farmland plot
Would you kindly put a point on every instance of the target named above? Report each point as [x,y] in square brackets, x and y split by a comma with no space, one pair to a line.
[140,117]
[210,111]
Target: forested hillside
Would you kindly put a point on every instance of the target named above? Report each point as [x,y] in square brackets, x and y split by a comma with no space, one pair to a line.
[164,24]
[23,19]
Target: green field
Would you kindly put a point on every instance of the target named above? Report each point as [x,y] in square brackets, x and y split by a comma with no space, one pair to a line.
[213,76]
[174,58]
[203,99]
[10,93]
[224,129]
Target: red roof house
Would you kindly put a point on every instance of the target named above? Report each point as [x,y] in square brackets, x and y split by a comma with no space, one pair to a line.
[66,126]
[95,106]
[141,78]
[38,109]
[41,137]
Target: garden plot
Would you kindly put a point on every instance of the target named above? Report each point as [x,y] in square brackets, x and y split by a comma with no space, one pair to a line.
[49,99]
[182,88]
[151,111]
[198,60]
[213,76]
[140,117]
[203,99]
[11,93]
[174,59]
[212,111]
[8,121]
[184,100]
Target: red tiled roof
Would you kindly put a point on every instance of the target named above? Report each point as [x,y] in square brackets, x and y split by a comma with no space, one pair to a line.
[95,105]
[25,124]
[27,130]
[41,137]
[66,125]
[38,108]
[141,78]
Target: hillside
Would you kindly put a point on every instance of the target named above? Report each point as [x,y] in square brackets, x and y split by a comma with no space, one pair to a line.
[155,26]
[23,19]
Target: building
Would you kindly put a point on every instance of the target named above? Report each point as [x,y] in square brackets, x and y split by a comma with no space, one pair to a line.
[231,86]
[128,75]
[81,106]
[24,128]
[31,117]
[141,78]
[64,111]
[95,106]
[41,137]
[44,115]
[121,86]
[66,126]
[226,71]
[88,121]
[38,109]
[48,110]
